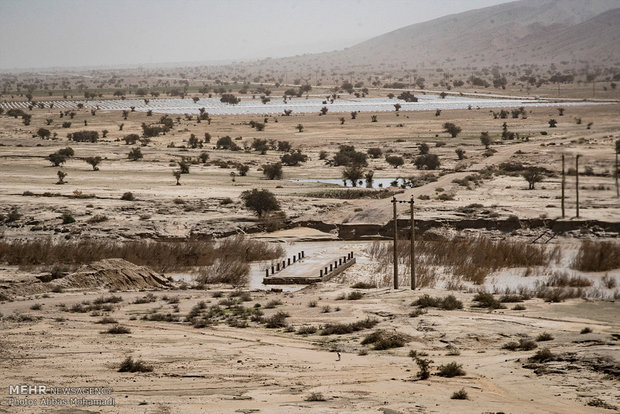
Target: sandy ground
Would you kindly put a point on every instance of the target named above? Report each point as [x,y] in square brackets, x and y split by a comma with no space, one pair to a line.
[223,369]
[228,369]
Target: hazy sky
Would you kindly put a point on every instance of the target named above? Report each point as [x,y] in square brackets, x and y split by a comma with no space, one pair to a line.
[46,33]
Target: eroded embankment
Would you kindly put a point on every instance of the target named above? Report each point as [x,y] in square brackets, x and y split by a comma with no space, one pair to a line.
[363,231]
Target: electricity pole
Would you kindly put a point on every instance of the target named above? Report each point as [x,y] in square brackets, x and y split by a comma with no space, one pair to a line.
[577,182]
[412,253]
[395,244]
[617,171]
[563,185]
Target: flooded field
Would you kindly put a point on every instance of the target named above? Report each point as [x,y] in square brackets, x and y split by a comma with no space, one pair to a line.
[297,105]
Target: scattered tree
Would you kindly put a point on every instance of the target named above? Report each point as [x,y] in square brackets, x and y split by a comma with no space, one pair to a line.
[485,139]
[354,173]
[395,160]
[460,153]
[57,159]
[452,129]
[273,171]
[61,177]
[375,152]
[177,175]
[183,166]
[94,162]
[243,169]
[427,161]
[260,201]
[533,175]
[44,133]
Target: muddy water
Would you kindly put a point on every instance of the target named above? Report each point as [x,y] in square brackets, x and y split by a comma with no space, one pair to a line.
[297,105]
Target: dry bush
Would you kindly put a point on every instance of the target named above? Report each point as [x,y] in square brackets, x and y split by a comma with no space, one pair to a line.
[448,303]
[129,365]
[609,282]
[545,336]
[248,249]
[563,279]
[117,330]
[469,258]
[451,369]
[160,256]
[315,396]
[486,300]
[543,355]
[382,340]
[347,328]
[460,395]
[558,294]
[278,320]
[597,256]
[229,270]
[524,344]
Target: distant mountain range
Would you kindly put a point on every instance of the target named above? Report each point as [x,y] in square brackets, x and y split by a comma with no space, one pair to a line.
[526,31]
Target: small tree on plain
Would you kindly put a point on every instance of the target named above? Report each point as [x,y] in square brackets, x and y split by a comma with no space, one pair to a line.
[485,139]
[44,133]
[177,175]
[354,173]
[374,152]
[452,129]
[94,162]
[61,177]
[460,153]
[260,201]
[243,169]
[533,175]
[552,123]
[395,160]
[300,127]
[273,171]
[424,148]
[427,161]
[56,159]
[184,166]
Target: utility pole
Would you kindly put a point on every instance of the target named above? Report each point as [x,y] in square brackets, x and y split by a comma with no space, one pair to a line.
[412,253]
[577,181]
[395,244]
[563,186]
[617,172]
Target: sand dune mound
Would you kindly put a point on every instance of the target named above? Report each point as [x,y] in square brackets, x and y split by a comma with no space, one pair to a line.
[113,274]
